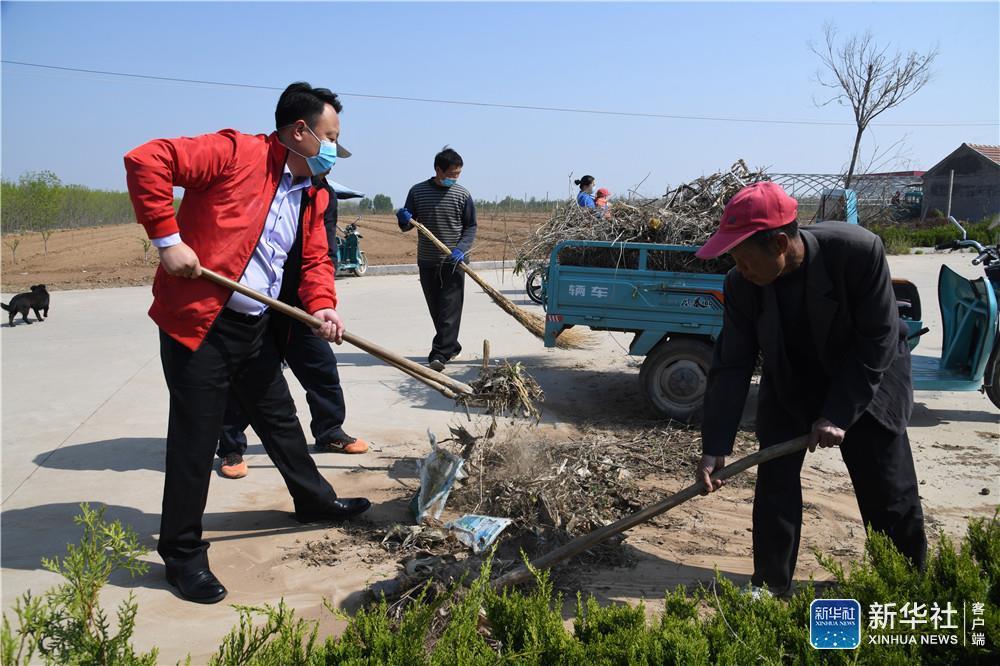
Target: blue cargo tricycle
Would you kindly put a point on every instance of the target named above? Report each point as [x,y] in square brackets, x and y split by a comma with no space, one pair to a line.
[970,360]
[675,317]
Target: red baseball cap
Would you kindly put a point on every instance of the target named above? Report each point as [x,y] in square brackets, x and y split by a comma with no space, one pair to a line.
[754,208]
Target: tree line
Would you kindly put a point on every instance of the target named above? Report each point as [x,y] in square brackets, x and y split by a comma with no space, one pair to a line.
[40,202]
[381,204]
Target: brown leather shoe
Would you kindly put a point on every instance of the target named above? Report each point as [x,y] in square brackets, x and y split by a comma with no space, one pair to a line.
[233,466]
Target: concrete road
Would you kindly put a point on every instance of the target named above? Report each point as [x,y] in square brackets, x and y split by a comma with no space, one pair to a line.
[84,410]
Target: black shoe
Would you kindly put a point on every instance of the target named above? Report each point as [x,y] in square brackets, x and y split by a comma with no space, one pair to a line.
[199,586]
[342,444]
[436,365]
[339,509]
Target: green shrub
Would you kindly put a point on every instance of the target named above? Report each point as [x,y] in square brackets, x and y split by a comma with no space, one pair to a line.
[969,573]
[896,245]
[284,639]
[371,637]
[717,624]
[619,634]
[67,625]
[531,626]
[901,236]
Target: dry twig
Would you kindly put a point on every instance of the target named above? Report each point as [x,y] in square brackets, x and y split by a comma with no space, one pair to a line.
[503,388]
[685,215]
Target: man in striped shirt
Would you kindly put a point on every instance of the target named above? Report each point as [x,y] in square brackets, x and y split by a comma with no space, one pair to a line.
[448,211]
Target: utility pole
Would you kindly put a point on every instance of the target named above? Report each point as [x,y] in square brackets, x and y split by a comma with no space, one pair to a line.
[951,184]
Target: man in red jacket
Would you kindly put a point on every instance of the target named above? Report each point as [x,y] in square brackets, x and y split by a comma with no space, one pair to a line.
[249,210]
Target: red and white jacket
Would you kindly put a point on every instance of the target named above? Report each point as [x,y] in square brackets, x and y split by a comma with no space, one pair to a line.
[229,182]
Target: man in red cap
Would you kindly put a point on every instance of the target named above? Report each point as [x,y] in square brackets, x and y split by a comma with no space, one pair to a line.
[817,304]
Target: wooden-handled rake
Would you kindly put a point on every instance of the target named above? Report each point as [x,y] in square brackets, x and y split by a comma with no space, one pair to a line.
[535,324]
[442,383]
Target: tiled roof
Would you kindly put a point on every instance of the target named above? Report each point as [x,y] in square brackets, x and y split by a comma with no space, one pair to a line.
[990,152]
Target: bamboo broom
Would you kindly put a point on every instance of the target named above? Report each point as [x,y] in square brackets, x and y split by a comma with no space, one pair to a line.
[440,382]
[535,324]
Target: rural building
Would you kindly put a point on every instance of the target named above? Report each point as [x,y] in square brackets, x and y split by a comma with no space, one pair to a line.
[976,192]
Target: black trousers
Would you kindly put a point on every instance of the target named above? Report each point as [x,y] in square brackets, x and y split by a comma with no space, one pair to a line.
[444,291]
[241,355]
[314,364]
[885,483]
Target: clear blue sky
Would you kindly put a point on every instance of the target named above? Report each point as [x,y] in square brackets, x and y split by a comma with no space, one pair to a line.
[735,60]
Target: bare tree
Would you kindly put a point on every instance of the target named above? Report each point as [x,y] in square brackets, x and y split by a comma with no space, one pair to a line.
[12,243]
[895,157]
[146,245]
[46,234]
[869,78]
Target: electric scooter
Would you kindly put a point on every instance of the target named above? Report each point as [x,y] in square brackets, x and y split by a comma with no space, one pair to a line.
[970,349]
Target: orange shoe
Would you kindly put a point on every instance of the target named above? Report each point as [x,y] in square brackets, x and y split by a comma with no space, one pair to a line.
[233,466]
[351,445]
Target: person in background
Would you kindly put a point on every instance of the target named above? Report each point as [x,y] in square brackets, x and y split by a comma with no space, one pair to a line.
[585,198]
[311,360]
[601,201]
[448,211]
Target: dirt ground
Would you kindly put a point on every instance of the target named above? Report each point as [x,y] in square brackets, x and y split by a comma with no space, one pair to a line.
[113,256]
[681,548]
[96,434]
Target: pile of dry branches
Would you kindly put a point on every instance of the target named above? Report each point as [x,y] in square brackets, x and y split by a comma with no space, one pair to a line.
[685,215]
[560,491]
[552,492]
[572,488]
[503,388]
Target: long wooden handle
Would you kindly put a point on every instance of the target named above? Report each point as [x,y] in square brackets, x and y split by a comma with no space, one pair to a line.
[586,541]
[444,249]
[435,380]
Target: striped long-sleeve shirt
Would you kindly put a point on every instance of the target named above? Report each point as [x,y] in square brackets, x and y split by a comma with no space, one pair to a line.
[448,212]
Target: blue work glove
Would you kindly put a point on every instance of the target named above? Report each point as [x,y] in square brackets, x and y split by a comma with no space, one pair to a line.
[403,218]
[456,256]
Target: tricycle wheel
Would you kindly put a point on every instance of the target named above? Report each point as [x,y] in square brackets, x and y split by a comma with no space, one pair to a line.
[362,265]
[674,377]
[534,285]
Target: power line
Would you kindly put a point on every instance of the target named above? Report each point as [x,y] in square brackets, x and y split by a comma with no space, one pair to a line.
[520,107]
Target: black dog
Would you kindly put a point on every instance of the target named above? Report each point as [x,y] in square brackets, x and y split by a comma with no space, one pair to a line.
[37,299]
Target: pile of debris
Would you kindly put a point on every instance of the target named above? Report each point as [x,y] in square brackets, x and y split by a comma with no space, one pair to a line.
[544,494]
[551,492]
[503,388]
[685,215]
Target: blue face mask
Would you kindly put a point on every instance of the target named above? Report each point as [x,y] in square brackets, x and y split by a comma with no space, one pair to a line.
[448,182]
[324,160]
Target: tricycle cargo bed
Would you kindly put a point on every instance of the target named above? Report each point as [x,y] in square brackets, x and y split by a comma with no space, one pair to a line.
[657,258]
[632,297]
[675,316]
